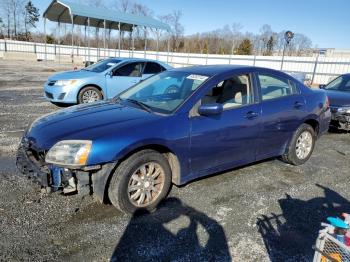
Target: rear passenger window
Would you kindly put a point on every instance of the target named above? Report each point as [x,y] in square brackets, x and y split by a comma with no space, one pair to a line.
[152,68]
[274,87]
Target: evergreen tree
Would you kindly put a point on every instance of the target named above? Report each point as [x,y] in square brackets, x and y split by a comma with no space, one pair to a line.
[245,47]
[31,17]
[270,46]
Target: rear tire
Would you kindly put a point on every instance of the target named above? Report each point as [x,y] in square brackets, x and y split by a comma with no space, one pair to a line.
[89,94]
[133,187]
[301,146]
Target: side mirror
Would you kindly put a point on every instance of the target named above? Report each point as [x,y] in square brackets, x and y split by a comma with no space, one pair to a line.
[210,109]
[321,86]
[110,73]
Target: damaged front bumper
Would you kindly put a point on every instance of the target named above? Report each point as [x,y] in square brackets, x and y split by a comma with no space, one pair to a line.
[340,120]
[89,180]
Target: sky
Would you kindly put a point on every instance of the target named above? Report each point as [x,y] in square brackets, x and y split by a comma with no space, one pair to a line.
[325,22]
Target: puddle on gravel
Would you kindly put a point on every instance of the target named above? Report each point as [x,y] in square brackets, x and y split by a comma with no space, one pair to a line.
[95,212]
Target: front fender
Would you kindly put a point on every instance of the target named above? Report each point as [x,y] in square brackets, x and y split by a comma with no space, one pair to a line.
[143,144]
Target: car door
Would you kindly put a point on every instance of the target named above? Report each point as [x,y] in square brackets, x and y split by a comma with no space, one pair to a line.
[282,111]
[151,68]
[123,77]
[227,139]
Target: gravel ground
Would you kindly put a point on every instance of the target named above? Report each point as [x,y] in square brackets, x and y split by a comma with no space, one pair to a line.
[269,211]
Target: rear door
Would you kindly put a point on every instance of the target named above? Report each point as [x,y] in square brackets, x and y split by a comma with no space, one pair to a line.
[283,109]
[124,77]
[151,68]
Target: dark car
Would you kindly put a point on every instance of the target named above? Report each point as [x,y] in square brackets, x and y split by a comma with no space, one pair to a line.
[172,128]
[338,92]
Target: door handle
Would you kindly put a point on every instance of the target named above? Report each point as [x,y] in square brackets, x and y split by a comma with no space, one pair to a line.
[297,105]
[251,115]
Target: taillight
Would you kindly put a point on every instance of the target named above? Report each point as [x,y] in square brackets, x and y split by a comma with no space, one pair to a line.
[326,104]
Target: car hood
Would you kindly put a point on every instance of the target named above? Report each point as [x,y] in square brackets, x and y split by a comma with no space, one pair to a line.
[75,74]
[84,122]
[338,98]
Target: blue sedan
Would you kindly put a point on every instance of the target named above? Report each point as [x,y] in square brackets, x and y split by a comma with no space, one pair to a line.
[102,80]
[338,92]
[172,128]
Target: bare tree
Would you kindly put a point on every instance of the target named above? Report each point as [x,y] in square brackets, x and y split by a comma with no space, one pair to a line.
[141,10]
[300,45]
[236,35]
[177,29]
[6,9]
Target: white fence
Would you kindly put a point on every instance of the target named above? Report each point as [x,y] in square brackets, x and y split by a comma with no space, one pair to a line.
[321,70]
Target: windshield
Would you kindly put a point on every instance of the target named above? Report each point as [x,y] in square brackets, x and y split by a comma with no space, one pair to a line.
[165,92]
[342,83]
[102,65]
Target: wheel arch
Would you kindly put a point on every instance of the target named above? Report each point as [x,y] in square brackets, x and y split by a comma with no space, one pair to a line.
[94,85]
[172,158]
[314,124]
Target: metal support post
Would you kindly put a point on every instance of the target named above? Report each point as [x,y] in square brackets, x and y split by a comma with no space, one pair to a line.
[119,38]
[315,67]
[85,41]
[104,38]
[59,42]
[145,47]
[89,39]
[157,31]
[168,50]
[284,50]
[132,41]
[45,38]
[72,18]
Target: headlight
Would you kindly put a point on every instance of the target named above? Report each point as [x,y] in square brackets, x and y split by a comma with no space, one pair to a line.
[344,110]
[65,82]
[69,153]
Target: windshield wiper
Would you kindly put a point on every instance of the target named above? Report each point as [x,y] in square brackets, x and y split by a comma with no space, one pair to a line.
[140,104]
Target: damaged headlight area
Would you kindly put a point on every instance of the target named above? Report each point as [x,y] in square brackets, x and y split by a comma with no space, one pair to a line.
[69,153]
[341,117]
[345,110]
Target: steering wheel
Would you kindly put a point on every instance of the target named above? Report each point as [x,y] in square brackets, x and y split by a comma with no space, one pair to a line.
[172,89]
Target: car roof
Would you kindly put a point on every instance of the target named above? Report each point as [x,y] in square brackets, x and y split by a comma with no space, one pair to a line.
[127,59]
[211,70]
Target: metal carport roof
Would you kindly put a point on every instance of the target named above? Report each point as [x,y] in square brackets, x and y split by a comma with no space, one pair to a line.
[64,11]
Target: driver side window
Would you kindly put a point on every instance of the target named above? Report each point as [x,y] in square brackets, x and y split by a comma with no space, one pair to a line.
[233,92]
[132,70]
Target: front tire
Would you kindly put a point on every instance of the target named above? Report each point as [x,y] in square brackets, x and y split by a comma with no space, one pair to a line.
[140,182]
[89,94]
[301,146]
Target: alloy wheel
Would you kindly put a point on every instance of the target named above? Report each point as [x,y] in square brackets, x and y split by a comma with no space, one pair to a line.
[146,184]
[90,96]
[303,145]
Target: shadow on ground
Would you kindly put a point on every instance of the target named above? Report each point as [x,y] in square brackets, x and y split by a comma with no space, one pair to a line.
[173,232]
[294,232]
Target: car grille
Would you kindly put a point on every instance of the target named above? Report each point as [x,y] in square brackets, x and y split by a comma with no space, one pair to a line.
[49,95]
[27,146]
[31,162]
[51,83]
